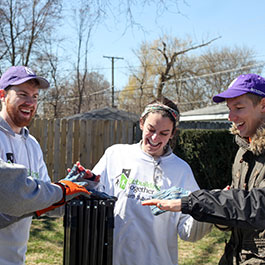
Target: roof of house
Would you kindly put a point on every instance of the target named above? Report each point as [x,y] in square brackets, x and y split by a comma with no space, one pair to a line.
[106,113]
[216,112]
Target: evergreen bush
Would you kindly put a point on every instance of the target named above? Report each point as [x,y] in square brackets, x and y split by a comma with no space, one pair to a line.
[210,153]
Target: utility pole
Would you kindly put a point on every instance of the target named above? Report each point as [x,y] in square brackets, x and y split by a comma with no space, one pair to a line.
[112,74]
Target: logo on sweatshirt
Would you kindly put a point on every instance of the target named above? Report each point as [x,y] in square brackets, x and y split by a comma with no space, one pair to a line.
[10,157]
[134,187]
[124,178]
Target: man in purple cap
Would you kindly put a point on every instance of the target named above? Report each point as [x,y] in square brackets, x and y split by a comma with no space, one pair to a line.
[19,91]
[245,98]
[242,207]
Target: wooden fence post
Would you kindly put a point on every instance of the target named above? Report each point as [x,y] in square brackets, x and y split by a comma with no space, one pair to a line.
[57,151]
[64,141]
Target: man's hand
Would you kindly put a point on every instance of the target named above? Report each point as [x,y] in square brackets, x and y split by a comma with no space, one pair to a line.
[70,190]
[87,174]
[73,185]
[77,182]
[79,174]
[165,198]
[165,205]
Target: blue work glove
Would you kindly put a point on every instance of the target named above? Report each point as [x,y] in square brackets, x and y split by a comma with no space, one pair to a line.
[83,176]
[172,193]
[100,195]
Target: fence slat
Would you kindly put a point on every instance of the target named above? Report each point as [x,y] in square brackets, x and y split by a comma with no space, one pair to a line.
[63,141]
[69,143]
[43,128]
[118,130]
[130,132]
[76,140]
[106,134]
[100,137]
[57,151]
[63,166]
[94,142]
[33,129]
[88,141]
[50,150]
[83,144]
[112,132]
[124,132]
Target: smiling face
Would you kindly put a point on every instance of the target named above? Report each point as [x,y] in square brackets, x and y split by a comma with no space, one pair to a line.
[19,105]
[157,130]
[246,115]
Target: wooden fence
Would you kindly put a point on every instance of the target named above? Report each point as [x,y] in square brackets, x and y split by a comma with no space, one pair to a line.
[64,142]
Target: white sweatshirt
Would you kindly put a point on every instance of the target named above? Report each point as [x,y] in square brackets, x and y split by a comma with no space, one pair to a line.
[139,237]
[21,149]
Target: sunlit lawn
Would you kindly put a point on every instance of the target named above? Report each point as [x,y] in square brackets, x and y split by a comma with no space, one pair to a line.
[45,246]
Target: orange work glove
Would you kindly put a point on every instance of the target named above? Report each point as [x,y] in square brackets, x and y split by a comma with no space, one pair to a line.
[70,191]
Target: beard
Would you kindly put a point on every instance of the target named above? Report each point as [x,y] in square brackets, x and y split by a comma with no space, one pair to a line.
[16,117]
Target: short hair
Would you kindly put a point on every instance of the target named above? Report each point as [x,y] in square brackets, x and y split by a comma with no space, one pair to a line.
[254,98]
[33,82]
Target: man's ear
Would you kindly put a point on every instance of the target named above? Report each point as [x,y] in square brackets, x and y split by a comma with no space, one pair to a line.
[2,93]
[262,104]
[141,123]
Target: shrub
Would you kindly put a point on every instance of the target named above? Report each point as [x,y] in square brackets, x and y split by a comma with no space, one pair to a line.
[210,153]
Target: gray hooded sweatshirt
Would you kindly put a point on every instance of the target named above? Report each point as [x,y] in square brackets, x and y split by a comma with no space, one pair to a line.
[25,150]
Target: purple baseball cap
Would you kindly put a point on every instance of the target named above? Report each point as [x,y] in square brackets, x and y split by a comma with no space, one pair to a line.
[249,83]
[16,75]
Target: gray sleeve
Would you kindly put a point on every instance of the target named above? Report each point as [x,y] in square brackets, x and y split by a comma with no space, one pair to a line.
[198,230]
[6,220]
[20,194]
[191,230]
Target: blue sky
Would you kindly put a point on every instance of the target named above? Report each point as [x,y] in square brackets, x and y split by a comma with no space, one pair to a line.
[238,22]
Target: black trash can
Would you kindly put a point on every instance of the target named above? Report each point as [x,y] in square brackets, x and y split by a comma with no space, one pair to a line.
[88,231]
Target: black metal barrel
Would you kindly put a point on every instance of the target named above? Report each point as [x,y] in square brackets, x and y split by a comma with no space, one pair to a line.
[88,231]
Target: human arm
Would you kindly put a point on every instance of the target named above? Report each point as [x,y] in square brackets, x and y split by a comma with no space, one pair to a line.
[70,190]
[77,182]
[173,204]
[21,194]
[169,200]
[240,208]
[233,207]
[166,205]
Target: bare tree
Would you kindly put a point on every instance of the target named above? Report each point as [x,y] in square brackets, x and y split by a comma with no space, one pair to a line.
[87,14]
[97,93]
[215,69]
[135,90]
[159,67]
[53,99]
[24,27]
[85,17]
[124,11]
[189,80]
[166,73]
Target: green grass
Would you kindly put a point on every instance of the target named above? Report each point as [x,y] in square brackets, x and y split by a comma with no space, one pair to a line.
[45,246]
[206,251]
